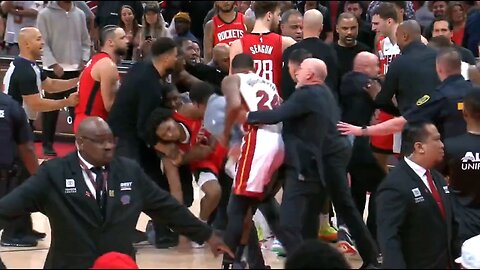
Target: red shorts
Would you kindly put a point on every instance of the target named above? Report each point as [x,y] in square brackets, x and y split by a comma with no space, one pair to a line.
[382,144]
[213,162]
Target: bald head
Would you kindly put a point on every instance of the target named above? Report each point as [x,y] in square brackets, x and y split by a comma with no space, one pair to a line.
[312,23]
[317,67]
[90,125]
[221,49]
[221,57]
[411,28]
[364,62]
[27,34]
[95,141]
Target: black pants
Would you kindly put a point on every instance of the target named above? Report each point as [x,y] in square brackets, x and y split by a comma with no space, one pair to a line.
[219,216]
[299,211]
[335,170]
[22,225]
[366,178]
[49,119]
[238,207]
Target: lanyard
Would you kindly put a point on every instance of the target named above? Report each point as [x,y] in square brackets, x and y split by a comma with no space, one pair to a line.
[92,179]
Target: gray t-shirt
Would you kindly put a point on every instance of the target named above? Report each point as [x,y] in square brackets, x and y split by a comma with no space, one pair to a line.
[214,119]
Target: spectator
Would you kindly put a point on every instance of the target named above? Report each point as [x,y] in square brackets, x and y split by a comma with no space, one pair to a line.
[60,63]
[457,16]
[89,17]
[316,254]
[471,36]
[107,12]
[198,52]
[20,14]
[365,33]
[182,23]
[444,27]
[130,25]
[439,9]
[292,24]
[153,27]
[197,11]
[424,15]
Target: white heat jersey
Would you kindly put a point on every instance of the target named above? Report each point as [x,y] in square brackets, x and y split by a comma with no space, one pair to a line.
[258,93]
[386,53]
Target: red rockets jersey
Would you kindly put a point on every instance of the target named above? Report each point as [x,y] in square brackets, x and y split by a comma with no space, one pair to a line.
[228,32]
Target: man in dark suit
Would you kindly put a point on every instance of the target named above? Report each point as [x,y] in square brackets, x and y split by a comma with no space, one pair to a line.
[415,224]
[93,202]
[311,112]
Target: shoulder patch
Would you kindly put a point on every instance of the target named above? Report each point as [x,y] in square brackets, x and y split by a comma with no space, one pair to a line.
[423,100]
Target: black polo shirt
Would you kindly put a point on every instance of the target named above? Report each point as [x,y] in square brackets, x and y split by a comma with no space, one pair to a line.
[23,78]
[410,76]
[443,107]
[14,128]
[318,49]
[141,91]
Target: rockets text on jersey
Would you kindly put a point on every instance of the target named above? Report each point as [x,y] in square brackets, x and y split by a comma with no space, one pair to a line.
[228,32]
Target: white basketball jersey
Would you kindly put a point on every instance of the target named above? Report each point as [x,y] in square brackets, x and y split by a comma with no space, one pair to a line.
[258,93]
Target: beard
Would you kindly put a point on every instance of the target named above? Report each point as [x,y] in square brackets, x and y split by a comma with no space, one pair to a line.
[120,51]
[222,9]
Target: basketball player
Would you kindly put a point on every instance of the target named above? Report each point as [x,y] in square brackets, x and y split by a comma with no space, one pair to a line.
[385,22]
[99,80]
[262,148]
[265,46]
[203,155]
[225,27]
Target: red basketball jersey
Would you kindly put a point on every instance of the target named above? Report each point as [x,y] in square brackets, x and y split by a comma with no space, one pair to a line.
[266,51]
[228,32]
[192,127]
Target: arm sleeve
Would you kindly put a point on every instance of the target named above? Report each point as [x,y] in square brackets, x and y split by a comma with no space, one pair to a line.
[84,7]
[391,213]
[27,82]
[427,111]
[161,206]
[205,73]
[22,131]
[295,106]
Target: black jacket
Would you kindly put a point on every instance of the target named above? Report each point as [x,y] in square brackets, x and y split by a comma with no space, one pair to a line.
[79,233]
[310,116]
[411,232]
[409,77]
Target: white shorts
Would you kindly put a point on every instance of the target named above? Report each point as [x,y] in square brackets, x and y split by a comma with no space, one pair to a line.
[262,153]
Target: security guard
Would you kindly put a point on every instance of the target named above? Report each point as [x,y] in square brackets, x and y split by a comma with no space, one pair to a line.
[463,163]
[443,108]
[16,140]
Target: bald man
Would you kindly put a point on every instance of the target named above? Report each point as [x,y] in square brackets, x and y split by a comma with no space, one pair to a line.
[442,107]
[412,75]
[357,107]
[21,79]
[309,126]
[312,27]
[79,182]
[221,57]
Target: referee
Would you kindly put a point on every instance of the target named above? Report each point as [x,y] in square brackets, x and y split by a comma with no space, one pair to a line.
[24,81]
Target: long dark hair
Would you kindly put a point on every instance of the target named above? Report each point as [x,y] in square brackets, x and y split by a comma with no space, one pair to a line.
[135,26]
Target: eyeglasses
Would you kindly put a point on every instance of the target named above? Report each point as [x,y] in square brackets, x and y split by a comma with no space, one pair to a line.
[101,141]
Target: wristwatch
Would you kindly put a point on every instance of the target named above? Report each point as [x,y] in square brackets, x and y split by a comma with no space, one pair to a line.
[364,131]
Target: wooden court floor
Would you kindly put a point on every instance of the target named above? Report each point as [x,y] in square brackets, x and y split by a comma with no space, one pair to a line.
[147,256]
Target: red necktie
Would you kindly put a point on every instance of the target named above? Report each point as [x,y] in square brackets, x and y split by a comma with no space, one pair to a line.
[435,193]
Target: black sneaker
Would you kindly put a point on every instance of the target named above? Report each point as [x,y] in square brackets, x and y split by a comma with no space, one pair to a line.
[49,151]
[166,242]
[38,235]
[26,241]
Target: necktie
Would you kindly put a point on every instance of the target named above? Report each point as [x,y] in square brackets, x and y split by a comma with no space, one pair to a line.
[435,193]
[99,180]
